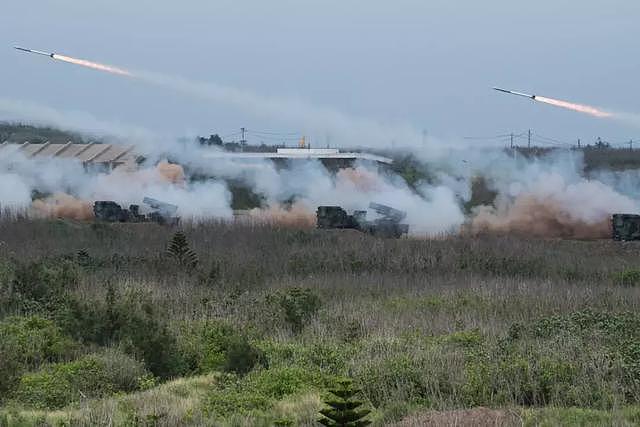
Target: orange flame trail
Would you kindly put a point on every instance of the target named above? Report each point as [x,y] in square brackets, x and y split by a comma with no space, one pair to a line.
[575,107]
[94,65]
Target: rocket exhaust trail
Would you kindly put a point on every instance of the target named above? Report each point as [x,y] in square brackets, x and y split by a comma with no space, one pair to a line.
[586,109]
[90,64]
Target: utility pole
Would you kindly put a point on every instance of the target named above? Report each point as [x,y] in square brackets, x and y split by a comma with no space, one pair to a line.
[631,145]
[511,145]
[578,143]
[529,139]
[243,141]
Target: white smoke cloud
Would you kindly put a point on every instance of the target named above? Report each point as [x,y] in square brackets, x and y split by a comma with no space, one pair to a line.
[346,130]
[14,192]
[198,200]
[80,121]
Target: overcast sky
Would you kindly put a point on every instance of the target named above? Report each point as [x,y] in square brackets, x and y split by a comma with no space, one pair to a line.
[428,63]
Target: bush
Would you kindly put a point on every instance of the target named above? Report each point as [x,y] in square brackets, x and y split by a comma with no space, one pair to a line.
[298,306]
[42,286]
[216,346]
[233,398]
[394,379]
[7,275]
[241,356]
[25,344]
[326,357]
[522,378]
[133,322]
[627,278]
[585,358]
[260,389]
[92,376]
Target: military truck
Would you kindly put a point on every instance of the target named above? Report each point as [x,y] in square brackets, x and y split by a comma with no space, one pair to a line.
[161,212]
[625,227]
[336,217]
[388,224]
[110,211]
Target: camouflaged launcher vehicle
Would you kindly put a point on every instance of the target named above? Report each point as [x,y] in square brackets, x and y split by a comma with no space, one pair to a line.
[161,212]
[388,224]
[625,227]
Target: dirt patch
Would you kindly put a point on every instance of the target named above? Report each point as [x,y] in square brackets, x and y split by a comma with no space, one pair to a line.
[477,417]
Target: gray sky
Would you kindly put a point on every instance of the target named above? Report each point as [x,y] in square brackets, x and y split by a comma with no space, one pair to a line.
[429,63]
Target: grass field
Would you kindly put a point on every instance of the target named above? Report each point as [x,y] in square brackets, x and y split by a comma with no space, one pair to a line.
[100,325]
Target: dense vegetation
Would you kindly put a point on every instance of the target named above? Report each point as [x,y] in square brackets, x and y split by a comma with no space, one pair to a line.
[253,325]
[18,132]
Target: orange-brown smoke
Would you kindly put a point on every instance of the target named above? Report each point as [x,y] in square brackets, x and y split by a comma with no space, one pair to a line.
[94,65]
[297,215]
[171,172]
[533,216]
[362,179]
[587,109]
[62,205]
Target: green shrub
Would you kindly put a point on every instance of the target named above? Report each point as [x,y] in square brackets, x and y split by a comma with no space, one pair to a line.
[241,356]
[627,278]
[394,379]
[327,357]
[92,376]
[133,322]
[26,343]
[216,346]
[214,275]
[498,265]
[233,398]
[585,358]
[467,339]
[260,389]
[42,286]
[287,380]
[412,374]
[523,378]
[298,306]
[42,279]
[7,275]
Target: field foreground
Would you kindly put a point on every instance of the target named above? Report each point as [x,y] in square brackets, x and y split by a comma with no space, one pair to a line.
[125,324]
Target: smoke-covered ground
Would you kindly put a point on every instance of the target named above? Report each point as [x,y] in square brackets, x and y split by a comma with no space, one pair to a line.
[543,197]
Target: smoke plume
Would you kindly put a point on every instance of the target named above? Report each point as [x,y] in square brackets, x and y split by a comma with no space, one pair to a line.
[61,205]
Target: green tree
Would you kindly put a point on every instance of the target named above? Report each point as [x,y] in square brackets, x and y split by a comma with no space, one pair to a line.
[342,407]
[180,251]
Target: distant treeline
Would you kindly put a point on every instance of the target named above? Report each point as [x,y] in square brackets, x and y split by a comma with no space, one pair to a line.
[19,132]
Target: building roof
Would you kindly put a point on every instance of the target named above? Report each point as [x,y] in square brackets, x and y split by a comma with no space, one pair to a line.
[300,153]
[88,153]
[114,155]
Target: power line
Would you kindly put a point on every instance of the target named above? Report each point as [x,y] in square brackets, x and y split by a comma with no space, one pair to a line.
[272,133]
[487,137]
